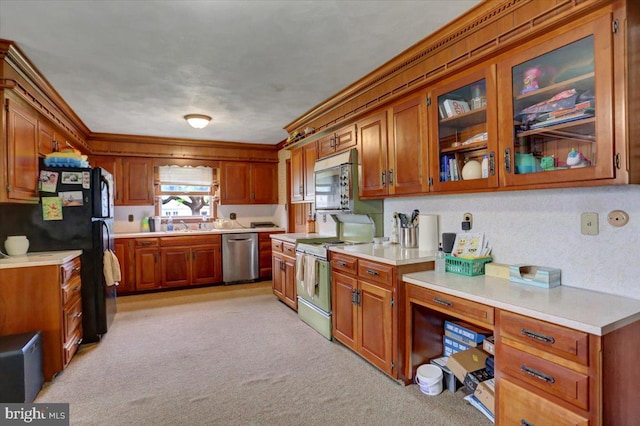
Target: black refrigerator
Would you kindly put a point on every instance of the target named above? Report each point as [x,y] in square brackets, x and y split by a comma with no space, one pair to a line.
[85,223]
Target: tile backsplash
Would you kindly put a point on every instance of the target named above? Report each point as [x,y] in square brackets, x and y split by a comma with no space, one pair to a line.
[542,227]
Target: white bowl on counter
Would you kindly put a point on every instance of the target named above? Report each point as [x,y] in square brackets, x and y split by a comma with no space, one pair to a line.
[16,245]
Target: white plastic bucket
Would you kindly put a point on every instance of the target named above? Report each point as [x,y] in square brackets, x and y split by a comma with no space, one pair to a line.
[429,378]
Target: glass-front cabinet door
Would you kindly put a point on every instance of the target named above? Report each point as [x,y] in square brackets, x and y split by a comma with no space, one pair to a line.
[463,132]
[556,104]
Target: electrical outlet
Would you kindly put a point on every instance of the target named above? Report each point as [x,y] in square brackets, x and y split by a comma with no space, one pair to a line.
[467,221]
[589,223]
[130,218]
[232,216]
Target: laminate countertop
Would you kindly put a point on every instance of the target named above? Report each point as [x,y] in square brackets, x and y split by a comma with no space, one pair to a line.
[183,232]
[585,310]
[392,254]
[43,258]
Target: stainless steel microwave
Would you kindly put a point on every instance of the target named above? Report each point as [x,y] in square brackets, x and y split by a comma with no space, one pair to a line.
[334,183]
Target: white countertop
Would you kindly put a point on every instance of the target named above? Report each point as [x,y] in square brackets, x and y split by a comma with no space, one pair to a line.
[181,232]
[295,237]
[585,310]
[43,258]
[391,254]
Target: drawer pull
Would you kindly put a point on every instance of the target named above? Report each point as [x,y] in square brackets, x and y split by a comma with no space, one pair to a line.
[75,288]
[76,269]
[79,341]
[371,272]
[443,302]
[341,263]
[145,243]
[523,422]
[537,336]
[77,315]
[537,374]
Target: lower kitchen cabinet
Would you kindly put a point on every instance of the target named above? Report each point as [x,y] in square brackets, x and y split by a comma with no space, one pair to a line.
[148,268]
[46,298]
[264,254]
[284,273]
[177,261]
[364,313]
[191,260]
[125,252]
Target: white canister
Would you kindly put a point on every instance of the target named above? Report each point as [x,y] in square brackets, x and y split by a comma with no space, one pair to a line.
[16,245]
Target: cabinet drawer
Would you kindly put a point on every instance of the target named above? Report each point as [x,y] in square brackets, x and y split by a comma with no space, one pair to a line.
[72,318]
[289,249]
[69,270]
[146,242]
[376,272]
[552,378]
[276,245]
[517,406]
[558,340]
[189,240]
[71,345]
[452,305]
[341,262]
[71,289]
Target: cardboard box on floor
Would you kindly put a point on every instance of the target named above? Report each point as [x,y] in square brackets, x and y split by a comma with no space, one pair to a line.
[463,362]
[486,394]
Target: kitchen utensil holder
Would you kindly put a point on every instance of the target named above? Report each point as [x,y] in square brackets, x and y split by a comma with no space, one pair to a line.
[409,237]
[468,267]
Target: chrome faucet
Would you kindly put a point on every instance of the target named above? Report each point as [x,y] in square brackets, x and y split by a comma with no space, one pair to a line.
[186,227]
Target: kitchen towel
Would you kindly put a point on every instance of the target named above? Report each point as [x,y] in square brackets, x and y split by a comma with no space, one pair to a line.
[428,232]
[111,268]
[310,275]
[300,257]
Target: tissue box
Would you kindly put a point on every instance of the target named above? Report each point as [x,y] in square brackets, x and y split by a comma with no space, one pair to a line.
[539,276]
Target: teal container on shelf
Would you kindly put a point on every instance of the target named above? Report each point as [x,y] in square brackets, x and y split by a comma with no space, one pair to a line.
[468,267]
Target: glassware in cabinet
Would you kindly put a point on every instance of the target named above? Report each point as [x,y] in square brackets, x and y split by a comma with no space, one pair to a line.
[560,107]
[465,132]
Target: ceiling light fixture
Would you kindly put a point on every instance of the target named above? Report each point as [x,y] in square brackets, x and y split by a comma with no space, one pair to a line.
[197,121]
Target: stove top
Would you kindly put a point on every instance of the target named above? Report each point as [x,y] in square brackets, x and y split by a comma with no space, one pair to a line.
[320,247]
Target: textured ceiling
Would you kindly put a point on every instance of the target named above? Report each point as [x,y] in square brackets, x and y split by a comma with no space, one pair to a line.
[137,67]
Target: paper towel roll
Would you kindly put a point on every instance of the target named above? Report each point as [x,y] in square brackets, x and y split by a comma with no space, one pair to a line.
[428,232]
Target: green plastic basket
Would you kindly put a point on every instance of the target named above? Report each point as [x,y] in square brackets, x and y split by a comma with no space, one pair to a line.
[468,267]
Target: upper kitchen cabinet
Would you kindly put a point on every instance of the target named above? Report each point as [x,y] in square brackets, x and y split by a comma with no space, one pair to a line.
[464,137]
[340,140]
[114,166]
[374,175]
[557,104]
[137,181]
[21,153]
[248,183]
[303,160]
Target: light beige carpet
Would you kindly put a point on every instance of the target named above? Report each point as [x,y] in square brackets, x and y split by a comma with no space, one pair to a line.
[234,355]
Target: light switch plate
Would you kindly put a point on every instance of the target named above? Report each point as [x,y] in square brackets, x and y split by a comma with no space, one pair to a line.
[589,223]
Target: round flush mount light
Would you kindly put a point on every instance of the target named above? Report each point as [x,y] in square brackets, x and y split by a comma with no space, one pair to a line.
[197,121]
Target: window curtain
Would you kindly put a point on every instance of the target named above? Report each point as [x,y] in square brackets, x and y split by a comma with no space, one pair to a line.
[186,175]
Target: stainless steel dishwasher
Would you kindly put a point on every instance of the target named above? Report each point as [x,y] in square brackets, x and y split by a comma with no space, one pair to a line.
[240,257]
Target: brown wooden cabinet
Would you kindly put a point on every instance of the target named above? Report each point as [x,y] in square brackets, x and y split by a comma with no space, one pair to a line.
[46,140]
[338,141]
[464,110]
[114,166]
[363,309]
[248,183]
[557,104]
[374,174]
[191,260]
[125,252]
[265,253]
[284,273]
[137,181]
[148,264]
[303,160]
[22,153]
[46,298]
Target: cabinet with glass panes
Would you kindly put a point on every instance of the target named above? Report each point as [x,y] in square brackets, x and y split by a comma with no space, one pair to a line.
[556,101]
[464,136]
